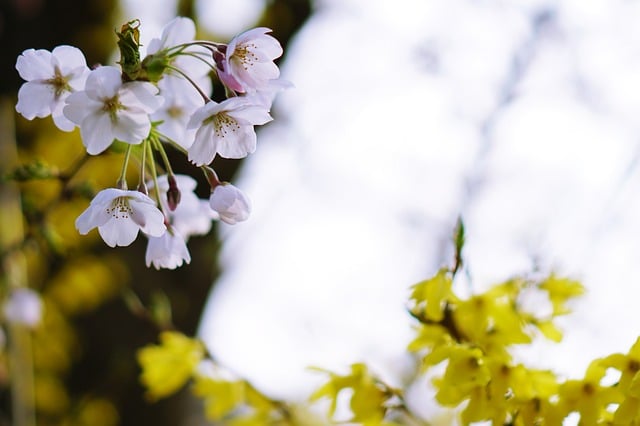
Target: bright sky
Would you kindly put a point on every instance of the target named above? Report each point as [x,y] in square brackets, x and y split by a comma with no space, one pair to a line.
[521,115]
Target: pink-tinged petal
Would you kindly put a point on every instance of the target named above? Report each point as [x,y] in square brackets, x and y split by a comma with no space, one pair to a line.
[118,232]
[103,83]
[203,149]
[145,95]
[230,81]
[35,65]
[258,76]
[35,99]
[68,58]
[131,128]
[241,144]
[96,132]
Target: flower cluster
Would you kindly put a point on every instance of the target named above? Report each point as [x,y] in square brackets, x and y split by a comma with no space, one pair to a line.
[153,102]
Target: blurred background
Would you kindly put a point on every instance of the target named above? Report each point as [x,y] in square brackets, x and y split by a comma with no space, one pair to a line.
[518,116]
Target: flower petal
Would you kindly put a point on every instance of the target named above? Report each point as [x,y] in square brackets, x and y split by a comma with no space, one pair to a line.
[131,127]
[35,99]
[252,114]
[145,95]
[68,58]
[118,232]
[92,217]
[204,147]
[241,144]
[97,132]
[147,216]
[103,83]
[78,106]
[35,65]
[167,251]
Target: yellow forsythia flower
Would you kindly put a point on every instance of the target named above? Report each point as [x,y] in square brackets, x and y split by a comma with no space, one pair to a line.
[168,366]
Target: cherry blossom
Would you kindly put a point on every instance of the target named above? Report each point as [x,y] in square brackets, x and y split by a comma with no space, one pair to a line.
[50,78]
[193,215]
[167,251]
[180,102]
[177,31]
[247,64]
[226,128]
[109,109]
[176,34]
[159,99]
[232,204]
[119,214]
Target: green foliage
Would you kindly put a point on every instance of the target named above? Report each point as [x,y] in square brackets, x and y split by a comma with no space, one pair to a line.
[129,46]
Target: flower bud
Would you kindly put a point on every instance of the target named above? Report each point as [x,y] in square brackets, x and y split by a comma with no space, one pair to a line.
[211,176]
[142,187]
[232,204]
[173,193]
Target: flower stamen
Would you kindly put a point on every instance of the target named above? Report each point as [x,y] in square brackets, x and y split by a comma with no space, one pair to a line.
[120,208]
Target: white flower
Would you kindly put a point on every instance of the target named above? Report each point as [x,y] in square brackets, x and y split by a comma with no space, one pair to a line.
[50,78]
[181,100]
[248,61]
[109,109]
[193,215]
[167,251]
[24,306]
[119,215]
[232,205]
[226,128]
[179,31]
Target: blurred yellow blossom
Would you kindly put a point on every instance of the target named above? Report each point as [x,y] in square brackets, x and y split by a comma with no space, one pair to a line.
[168,366]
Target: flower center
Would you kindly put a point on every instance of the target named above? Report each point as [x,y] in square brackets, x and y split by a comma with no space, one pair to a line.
[175,111]
[120,208]
[223,124]
[111,106]
[59,82]
[244,54]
